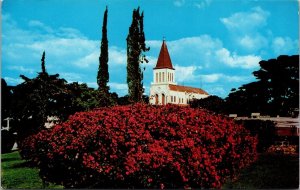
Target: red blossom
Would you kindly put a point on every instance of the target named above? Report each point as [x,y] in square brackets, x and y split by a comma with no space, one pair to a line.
[142,146]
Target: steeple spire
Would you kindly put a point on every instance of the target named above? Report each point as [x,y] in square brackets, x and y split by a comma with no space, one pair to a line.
[164,60]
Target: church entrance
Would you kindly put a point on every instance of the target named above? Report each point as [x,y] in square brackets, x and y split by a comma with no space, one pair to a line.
[163,99]
[156,99]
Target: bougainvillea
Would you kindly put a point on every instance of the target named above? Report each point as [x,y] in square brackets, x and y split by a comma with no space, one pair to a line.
[142,146]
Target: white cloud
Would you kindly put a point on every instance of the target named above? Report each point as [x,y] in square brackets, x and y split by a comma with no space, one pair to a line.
[234,60]
[215,77]
[202,3]
[207,52]
[92,84]
[179,3]
[13,81]
[253,42]
[247,29]
[185,74]
[121,88]
[198,3]
[39,25]
[154,43]
[70,77]
[217,90]
[197,43]
[21,69]
[117,55]
[246,21]
[284,45]
[88,60]
[211,78]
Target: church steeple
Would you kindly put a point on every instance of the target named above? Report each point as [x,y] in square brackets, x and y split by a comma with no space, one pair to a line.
[164,60]
[164,72]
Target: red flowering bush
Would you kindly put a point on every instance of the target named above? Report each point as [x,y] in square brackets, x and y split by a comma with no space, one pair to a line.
[142,146]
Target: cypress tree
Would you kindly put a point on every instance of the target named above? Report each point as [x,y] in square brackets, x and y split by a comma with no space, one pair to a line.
[135,48]
[43,63]
[103,75]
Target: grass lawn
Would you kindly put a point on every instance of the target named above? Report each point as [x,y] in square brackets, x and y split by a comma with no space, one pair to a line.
[16,174]
[270,171]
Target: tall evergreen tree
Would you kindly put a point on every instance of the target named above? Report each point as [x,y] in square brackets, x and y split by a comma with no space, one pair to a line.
[43,63]
[103,75]
[135,48]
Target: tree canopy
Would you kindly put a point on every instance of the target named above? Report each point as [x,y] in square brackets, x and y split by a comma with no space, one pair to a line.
[34,100]
[276,90]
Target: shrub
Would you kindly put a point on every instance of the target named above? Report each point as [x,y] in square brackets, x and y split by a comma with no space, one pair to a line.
[141,146]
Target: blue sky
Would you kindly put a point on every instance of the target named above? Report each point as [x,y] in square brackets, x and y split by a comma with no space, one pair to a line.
[213,44]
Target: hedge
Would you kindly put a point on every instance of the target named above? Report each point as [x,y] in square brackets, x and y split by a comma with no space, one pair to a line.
[142,146]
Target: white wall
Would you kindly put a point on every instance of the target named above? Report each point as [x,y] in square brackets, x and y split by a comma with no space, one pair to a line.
[177,97]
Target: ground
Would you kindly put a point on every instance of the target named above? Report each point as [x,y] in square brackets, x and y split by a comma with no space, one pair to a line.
[17,174]
[270,171]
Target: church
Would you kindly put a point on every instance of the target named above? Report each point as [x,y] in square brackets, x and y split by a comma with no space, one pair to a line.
[164,89]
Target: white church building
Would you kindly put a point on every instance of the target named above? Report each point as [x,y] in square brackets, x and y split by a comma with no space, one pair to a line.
[164,89]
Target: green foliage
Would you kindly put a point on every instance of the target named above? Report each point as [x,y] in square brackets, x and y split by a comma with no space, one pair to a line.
[212,103]
[43,63]
[35,99]
[275,92]
[6,96]
[7,141]
[84,98]
[103,74]
[48,95]
[135,48]
[124,100]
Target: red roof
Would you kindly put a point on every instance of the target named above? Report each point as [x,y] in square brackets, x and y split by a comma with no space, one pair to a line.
[164,60]
[187,89]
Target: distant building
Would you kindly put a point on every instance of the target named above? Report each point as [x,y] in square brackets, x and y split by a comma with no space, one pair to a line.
[164,89]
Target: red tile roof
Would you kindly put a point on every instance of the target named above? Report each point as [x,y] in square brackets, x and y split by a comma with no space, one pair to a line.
[186,89]
[164,60]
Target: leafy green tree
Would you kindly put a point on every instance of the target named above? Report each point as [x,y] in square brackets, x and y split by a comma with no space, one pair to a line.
[103,74]
[281,77]
[135,48]
[36,99]
[84,98]
[212,103]
[276,90]
[248,98]
[6,96]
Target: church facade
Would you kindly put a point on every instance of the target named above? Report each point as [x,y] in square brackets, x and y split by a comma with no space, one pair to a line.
[164,89]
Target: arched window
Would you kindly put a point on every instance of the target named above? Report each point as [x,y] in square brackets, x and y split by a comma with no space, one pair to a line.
[156,78]
[163,99]
[159,77]
[156,99]
[163,76]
